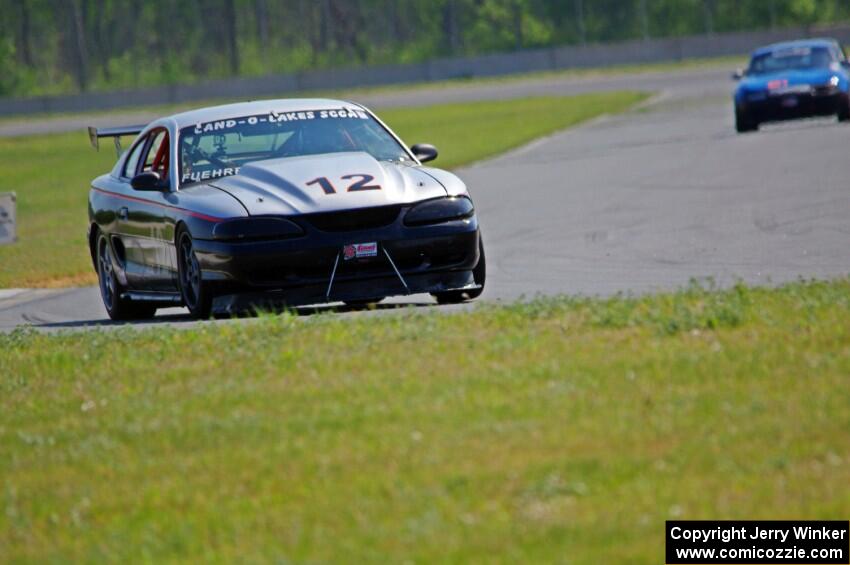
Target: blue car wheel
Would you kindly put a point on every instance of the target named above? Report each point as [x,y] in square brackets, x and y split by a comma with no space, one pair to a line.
[743,122]
[844,108]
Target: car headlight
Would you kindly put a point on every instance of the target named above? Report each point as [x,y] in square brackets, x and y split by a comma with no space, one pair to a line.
[833,81]
[439,210]
[256,228]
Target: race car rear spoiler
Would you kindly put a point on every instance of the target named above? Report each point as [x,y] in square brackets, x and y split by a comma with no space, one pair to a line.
[116,133]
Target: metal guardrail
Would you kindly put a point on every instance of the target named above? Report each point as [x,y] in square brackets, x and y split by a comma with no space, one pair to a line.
[7,218]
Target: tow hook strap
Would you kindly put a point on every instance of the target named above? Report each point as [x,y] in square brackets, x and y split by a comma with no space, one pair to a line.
[392,264]
[331,283]
[401,278]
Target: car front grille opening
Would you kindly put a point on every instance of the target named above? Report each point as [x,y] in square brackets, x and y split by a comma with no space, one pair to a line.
[352,220]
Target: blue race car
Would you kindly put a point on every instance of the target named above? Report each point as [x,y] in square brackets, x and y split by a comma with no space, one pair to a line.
[795,79]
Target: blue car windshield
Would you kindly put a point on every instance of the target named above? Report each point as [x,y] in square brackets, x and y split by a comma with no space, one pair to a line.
[220,148]
[791,59]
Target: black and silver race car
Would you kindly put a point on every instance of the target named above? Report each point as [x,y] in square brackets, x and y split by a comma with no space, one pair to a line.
[280,202]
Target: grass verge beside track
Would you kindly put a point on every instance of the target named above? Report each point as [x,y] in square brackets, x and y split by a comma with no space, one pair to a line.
[554,430]
[51,174]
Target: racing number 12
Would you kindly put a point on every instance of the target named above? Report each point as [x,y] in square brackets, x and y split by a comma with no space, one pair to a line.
[361,184]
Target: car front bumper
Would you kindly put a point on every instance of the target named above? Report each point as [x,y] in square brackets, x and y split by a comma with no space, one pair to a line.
[793,105]
[312,268]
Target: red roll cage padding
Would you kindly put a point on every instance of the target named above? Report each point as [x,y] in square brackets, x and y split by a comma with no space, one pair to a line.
[160,162]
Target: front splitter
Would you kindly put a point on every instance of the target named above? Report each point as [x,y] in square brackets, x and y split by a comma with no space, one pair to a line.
[343,291]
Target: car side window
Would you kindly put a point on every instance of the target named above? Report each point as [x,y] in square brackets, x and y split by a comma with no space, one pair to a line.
[133,159]
[156,159]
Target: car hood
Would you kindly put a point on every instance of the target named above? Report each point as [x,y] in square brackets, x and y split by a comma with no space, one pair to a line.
[814,77]
[292,185]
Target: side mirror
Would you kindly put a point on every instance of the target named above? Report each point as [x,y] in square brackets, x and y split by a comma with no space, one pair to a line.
[147,181]
[425,152]
[738,74]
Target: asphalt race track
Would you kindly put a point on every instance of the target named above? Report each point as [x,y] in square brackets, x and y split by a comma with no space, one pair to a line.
[639,202]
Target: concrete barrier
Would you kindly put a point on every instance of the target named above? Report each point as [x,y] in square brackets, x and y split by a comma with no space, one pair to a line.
[548,59]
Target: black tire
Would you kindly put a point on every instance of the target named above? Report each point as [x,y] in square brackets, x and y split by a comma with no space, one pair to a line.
[479,275]
[111,290]
[744,123]
[197,294]
[843,108]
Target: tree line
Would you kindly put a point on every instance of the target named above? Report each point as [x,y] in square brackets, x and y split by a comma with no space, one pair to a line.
[60,46]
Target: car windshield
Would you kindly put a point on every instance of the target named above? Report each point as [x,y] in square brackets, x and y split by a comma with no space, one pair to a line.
[788,59]
[217,149]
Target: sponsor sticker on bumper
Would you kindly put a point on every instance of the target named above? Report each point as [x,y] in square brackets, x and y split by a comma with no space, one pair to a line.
[360,250]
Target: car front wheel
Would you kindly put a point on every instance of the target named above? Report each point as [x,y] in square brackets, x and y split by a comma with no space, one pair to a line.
[479,275]
[197,295]
[843,108]
[744,122]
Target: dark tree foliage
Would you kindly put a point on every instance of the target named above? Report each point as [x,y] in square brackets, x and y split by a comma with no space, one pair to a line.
[55,46]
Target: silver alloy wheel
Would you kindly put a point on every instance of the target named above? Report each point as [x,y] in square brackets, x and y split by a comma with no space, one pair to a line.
[190,275]
[105,272]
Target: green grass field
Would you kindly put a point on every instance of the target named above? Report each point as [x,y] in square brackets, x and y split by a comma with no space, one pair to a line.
[51,174]
[554,431]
